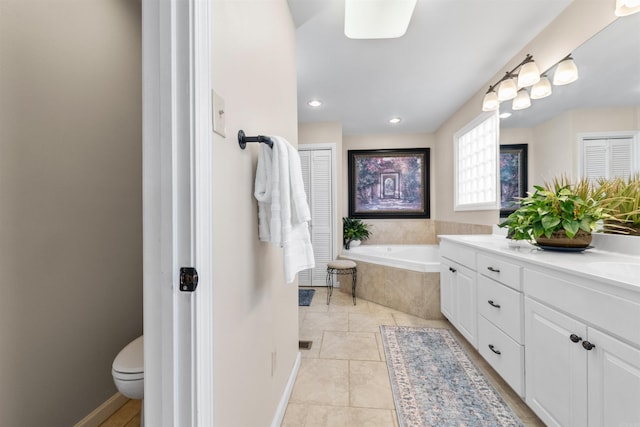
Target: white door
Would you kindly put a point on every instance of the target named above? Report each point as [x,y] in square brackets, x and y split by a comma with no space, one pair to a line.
[614,382]
[555,366]
[466,304]
[318,176]
[177,212]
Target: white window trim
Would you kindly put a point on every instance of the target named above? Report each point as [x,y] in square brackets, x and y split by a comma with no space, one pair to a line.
[466,128]
[587,136]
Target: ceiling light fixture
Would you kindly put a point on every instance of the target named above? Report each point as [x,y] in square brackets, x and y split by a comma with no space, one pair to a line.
[627,7]
[395,120]
[377,19]
[525,75]
[314,103]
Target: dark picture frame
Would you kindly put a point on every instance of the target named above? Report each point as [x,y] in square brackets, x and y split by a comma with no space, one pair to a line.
[389,183]
[513,177]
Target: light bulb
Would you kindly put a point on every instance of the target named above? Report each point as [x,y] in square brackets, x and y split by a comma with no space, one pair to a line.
[542,89]
[490,101]
[521,101]
[528,75]
[566,72]
[507,89]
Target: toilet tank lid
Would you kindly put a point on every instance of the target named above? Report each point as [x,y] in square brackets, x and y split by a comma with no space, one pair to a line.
[131,358]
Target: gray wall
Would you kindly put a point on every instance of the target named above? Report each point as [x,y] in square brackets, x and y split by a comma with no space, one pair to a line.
[70,204]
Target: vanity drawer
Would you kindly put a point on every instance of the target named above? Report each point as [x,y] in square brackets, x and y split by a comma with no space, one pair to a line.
[500,270]
[502,306]
[458,253]
[504,354]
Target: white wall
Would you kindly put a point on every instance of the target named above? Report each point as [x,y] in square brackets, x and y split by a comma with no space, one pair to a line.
[70,204]
[256,313]
[576,24]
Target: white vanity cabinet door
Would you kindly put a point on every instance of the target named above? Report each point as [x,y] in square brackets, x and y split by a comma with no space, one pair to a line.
[555,366]
[614,382]
[458,298]
[447,289]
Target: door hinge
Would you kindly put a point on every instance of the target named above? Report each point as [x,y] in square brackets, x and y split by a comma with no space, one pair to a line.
[188,279]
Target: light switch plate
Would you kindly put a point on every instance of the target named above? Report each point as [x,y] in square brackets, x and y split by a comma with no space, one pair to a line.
[219,121]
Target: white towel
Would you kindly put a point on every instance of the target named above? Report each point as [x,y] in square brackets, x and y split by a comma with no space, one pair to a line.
[283,211]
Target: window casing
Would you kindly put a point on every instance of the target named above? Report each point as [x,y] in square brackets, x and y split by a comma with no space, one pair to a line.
[476,173]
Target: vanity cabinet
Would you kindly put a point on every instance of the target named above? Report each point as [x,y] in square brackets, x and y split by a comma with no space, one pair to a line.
[500,326]
[458,289]
[578,374]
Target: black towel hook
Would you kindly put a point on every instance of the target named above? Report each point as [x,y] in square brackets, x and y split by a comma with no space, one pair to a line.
[243,139]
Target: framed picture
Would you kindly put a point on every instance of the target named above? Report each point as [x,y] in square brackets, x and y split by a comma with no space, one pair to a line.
[389,183]
[513,177]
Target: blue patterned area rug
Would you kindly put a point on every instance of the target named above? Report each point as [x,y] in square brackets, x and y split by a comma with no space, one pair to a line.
[435,384]
[305,296]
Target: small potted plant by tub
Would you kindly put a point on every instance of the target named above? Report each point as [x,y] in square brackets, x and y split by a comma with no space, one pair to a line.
[354,231]
[560,214]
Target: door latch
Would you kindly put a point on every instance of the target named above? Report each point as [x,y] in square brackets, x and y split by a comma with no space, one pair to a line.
[188,279]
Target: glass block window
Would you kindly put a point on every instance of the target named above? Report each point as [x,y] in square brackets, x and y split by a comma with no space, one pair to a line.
[476,174]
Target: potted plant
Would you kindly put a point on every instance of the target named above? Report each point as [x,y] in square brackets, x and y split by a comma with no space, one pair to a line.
[353,229]
[559,214]
[621,199]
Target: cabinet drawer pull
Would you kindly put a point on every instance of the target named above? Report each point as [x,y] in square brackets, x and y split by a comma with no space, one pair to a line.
[587,345]
[453,270]
[492,348]
[493,304]
[495,270]
[575,338]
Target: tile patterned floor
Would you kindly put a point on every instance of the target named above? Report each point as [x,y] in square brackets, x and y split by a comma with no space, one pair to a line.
[343,379]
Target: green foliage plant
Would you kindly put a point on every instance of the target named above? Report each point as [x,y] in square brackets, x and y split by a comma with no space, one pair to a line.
[556,206]
[354,229]
[621,199]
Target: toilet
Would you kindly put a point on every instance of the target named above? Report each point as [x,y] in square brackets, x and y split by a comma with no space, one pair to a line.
[128,369]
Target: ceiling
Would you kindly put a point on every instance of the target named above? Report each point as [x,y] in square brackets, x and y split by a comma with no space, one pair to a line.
[450,51]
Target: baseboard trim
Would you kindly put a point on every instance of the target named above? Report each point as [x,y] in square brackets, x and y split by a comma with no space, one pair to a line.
[104,411]
[284,400]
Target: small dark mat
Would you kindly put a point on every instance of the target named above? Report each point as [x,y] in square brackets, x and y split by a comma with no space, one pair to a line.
[305,296]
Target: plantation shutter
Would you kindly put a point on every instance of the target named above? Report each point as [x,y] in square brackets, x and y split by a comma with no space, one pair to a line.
[317,176]
[607,158]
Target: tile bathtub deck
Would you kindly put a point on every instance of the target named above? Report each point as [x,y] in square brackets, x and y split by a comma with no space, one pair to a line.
[343,378]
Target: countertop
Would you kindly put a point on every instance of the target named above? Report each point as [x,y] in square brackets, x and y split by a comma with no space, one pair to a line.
[618,269]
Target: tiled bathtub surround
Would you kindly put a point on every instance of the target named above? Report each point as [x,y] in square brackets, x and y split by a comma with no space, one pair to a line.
[411,292]
[417,231]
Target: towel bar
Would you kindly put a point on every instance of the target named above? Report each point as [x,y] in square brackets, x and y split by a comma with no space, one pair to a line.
[243,139]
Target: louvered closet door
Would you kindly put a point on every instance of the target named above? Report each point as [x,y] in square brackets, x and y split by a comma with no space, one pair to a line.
[317,175]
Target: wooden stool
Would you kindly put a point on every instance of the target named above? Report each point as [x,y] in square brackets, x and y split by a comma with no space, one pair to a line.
[341,266]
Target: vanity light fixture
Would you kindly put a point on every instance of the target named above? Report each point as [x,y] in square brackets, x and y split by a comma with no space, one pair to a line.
[314,103]
[627,7]
[521,101]
[377,19]
[507,87]
[395,120]
[542,89]
[566,72]
[528,76]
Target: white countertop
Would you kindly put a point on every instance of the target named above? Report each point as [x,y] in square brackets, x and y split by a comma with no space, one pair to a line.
[618,269]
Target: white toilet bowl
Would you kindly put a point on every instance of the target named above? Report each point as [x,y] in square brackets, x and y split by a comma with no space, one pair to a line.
[128,369]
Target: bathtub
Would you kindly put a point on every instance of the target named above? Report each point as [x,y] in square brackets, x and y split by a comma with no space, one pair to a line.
[403,277]
[423,258]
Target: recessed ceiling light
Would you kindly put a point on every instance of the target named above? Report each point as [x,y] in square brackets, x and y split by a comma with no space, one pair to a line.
[395,120]
[504,115]
[314,103]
